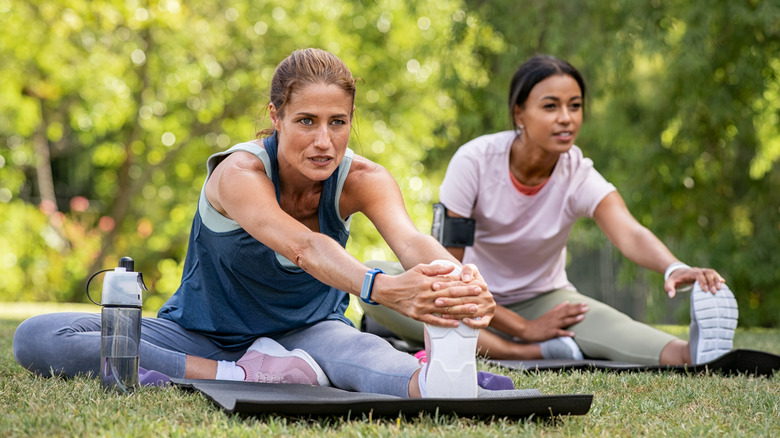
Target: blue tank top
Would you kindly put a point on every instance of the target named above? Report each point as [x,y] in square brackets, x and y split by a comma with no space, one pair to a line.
[235,289]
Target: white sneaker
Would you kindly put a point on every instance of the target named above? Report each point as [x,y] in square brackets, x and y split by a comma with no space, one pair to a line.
[451,368]
[451,354]
[561,348]
[713,321]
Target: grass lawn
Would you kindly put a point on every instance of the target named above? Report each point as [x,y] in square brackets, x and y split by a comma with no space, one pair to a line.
[639,404]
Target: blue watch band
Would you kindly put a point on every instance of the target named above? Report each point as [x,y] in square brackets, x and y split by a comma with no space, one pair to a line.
[368,286]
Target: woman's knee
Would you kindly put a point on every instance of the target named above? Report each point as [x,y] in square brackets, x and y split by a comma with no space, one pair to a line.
[40,342]
[26,344]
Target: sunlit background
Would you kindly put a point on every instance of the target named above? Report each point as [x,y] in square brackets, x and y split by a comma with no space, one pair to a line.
[109,109]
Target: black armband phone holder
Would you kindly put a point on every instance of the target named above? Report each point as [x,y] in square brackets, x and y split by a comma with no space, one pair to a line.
[451,231]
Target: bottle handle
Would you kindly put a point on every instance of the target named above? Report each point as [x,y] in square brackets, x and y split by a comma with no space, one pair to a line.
[141,282]
[90,281]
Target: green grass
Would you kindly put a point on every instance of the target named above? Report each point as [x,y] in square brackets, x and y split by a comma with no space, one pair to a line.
[638,404]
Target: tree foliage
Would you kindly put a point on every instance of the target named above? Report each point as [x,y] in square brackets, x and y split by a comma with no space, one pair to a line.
[682,116]
[109,109]
[121,102]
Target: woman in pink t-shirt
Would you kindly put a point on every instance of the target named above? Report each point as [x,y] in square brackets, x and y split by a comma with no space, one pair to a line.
[525,189]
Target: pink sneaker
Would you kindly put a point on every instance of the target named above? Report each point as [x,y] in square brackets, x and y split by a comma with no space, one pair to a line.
[266,361]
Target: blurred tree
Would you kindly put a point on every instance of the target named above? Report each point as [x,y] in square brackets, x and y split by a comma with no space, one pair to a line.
[682,116]
[109,108]
[125,100]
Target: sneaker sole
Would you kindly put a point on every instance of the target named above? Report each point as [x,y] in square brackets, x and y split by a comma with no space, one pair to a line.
[452,362]
[713,321]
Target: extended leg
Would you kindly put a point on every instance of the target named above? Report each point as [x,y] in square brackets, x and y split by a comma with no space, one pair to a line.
[354,360]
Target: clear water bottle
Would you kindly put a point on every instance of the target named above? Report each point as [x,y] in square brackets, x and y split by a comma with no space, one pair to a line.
[120,333]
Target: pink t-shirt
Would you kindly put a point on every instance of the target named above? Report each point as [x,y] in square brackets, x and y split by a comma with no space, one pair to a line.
[520,241]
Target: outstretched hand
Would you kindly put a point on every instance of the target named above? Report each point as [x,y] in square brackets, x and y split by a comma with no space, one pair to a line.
[427,294]
[467,291]
[553,324]
[709,280]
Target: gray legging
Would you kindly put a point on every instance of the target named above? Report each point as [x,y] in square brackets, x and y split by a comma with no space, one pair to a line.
[605,333]
[69,344]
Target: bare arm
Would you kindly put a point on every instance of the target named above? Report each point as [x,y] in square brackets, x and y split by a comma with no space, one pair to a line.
[240,190]
[642,247]
[550,325]
[374,192]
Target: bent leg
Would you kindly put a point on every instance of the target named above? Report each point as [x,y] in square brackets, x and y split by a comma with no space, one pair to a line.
[489,344]
[59,344]
[401,326]
[605,333]
[69,344]
[354,360]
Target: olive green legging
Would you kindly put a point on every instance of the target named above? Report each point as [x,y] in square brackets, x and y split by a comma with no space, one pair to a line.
[605,333]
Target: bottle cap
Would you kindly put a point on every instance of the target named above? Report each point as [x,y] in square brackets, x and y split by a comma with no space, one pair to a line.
[127,263]
[122,286]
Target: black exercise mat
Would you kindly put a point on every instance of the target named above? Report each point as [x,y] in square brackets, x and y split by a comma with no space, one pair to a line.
[751,362]
[247,398]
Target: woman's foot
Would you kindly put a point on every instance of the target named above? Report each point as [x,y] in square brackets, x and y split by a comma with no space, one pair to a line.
[713,321]
[267,361]
[560,348]
[451,368]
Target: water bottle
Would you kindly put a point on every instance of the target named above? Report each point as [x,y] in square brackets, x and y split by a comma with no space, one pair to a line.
[120,333]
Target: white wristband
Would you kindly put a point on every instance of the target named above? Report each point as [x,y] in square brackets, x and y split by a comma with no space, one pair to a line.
[673,267]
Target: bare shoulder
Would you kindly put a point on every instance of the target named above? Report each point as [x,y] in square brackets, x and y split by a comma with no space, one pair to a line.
[236,172]
[240,161]
[366,183]
[363,169]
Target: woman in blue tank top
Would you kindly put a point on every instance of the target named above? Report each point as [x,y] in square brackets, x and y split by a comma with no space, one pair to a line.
[267,277]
